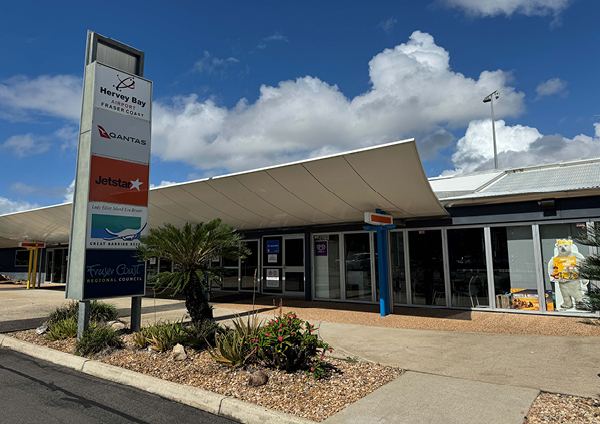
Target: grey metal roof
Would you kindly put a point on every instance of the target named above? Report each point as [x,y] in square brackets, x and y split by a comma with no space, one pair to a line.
[565,177]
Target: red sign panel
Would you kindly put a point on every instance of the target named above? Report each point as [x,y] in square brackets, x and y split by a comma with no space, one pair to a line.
[117,181]
[378,219]
[32,244]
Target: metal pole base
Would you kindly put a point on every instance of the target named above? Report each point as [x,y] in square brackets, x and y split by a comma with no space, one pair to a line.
[136,313]
[83,320]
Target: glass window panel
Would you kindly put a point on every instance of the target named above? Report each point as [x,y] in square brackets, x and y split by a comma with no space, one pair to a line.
[165,265]
[358,266]
[294,252]
[230,273]
[398,277]
[468,272]
[294,281]
[515,281]
[565,290]
[250,267]
[327,266]
[151,267]
[22,258]
[427,268]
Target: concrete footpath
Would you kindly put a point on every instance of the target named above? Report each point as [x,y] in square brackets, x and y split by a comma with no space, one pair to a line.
[452,377]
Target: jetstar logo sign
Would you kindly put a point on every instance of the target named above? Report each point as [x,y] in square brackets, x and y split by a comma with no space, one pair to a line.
[116,181]
[112,135]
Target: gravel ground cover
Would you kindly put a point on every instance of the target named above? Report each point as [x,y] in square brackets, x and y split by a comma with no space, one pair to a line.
[293,393]
[554,408]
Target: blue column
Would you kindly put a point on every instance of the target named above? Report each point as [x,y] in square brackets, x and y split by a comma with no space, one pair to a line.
[382,253]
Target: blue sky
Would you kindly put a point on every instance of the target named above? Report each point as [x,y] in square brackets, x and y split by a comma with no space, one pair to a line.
[241,85]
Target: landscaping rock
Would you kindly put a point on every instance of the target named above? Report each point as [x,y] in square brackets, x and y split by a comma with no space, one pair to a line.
[258,378]
[118,326]
[179,353]
[42,329]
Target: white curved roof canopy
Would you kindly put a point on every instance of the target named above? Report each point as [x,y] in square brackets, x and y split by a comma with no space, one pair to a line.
[329,190]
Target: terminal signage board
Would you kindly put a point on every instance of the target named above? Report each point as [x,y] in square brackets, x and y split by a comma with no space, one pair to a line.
[114,273]
[118,136]
[110,208]
[112,226]
[123,93]
[117,181]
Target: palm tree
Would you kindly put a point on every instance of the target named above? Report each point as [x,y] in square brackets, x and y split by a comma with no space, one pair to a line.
[191,249]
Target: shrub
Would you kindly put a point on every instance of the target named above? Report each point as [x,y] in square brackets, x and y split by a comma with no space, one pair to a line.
[162,336]
[140,339]
[233,348]
[96,339]
[289,343]
[201,334]
[62,329]
[103,312]
[99,312]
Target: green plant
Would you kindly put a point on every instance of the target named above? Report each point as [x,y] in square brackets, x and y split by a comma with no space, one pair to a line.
[99,312]
[202,334]
[289,343]
[96,339]
[140,339]
[191,249]
[162,336]
[103,312]
[233,347]
[62,329]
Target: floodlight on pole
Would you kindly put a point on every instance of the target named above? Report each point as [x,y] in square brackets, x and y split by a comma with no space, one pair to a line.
[490,99]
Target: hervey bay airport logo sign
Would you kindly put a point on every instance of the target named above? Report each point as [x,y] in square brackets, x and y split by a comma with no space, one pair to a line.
[116,181]
[123,93]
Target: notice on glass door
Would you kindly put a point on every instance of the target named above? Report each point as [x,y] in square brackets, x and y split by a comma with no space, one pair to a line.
[272,277]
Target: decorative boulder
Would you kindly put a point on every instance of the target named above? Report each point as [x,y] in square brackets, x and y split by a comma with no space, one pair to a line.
[42,329]
[258,379]
[179,352]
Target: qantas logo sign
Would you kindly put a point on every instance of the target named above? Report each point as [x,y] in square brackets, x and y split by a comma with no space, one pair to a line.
[116,181]
[115,136]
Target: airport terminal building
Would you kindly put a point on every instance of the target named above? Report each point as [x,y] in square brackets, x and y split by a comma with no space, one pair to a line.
[494,240]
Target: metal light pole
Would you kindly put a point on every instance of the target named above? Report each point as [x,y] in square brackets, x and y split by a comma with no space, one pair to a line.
[490,98]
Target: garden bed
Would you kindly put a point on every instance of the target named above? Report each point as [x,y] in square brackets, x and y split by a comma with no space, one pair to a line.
[293,393]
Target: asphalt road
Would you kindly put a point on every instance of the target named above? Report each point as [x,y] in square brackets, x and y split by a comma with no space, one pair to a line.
[35,391]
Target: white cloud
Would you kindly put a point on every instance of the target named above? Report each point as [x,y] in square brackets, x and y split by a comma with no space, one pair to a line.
[213,65]
[69,192]
[69,135]
[26,145]
[44,191]
[509,7]
[162,184]
[388,24]
[57,96]
[10,206]
[414,92]
[277,37]
[518,146]
[552,86]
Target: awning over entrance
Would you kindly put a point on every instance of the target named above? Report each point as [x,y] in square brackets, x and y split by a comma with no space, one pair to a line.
[329,190]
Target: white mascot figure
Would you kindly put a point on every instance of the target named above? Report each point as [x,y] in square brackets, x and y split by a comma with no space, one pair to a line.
[563,270]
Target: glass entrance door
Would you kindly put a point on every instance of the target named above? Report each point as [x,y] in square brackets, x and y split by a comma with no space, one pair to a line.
[293,264]
[249,267]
